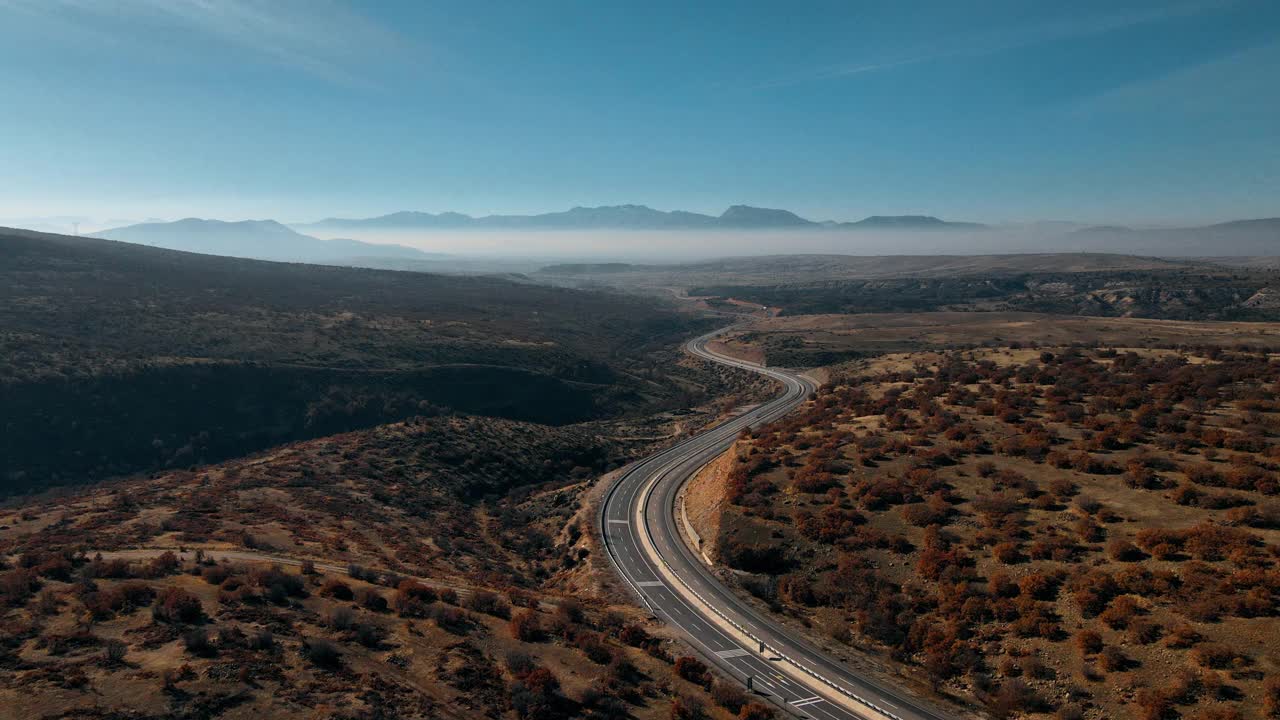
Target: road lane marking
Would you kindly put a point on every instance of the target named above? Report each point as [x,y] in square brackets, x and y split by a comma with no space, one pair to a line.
[651,583]
[736,652]
[620,522]
[807,701]
[640,515]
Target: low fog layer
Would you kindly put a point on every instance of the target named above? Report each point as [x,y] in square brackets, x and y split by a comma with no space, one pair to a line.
[1242,239]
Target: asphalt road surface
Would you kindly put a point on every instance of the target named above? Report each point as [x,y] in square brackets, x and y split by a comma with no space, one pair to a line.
[640,530]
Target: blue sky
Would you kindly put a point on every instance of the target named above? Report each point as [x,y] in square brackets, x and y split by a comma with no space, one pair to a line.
[1138,112]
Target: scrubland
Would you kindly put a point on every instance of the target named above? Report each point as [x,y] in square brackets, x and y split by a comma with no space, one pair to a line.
[1086,531]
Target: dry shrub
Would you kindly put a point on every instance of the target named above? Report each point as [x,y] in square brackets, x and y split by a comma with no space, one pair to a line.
[336,589]
[1113,659]
[1218,656]
[321,653]
[175,605]
[489,603]
[1121,612]
[526,626]
[694,670]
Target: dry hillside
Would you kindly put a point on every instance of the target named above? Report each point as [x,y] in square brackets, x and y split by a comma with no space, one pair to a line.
[1092,532]
[438,568]
[139,359]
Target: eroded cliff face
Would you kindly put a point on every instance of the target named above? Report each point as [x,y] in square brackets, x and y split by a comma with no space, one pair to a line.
[1264,299]
[704,503]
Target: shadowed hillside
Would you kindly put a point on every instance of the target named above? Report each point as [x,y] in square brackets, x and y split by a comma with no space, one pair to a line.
[259,239]
[120,357]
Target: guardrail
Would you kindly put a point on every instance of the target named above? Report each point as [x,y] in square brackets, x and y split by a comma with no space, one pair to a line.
[653,484]
[784,404]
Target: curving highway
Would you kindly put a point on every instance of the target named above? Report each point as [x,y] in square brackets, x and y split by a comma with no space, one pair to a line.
[639,528]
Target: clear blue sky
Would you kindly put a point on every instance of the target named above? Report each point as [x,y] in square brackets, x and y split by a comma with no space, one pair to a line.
[991,111]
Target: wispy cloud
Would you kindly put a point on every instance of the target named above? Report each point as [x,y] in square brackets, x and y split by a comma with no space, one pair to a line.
[1239,85]
[990,44]
[325,38]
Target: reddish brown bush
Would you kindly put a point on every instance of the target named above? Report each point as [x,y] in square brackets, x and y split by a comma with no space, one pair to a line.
[1112,659]
[1217,656]
[728,696]
[1182,635]
[1144,632]
[1152,705]
[1271,696]
[175,605]
[1121,612]
[526,626]
[215,574]
[1013,697]
[634,635]
[321,653]
[1088,642]
[1007,553]
[1038,586]
[933,512]
[1218,713]
[1062,487]
[594,647]
[17,586]
[1122,550]
[371,599]
[164,564]
[685,708]
[336,589]
[755,711]
[1093,590]
[693,670]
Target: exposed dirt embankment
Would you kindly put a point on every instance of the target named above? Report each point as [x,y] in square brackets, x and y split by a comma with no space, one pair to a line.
[704,502]
[739,351]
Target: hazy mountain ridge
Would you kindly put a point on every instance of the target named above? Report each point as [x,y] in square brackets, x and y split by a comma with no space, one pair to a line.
[914,222]
[1258,237]
[633,217]
[776,228]
[255,239]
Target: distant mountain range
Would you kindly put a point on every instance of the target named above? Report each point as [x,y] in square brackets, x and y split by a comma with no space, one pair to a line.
[628,217]
[909,222]
[257,239]
[875,235]
[1239,237]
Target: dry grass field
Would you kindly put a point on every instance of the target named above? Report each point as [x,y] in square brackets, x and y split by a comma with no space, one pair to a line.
[1059,531]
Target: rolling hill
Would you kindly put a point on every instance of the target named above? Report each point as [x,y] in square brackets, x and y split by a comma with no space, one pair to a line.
[139,358]
[257,239]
